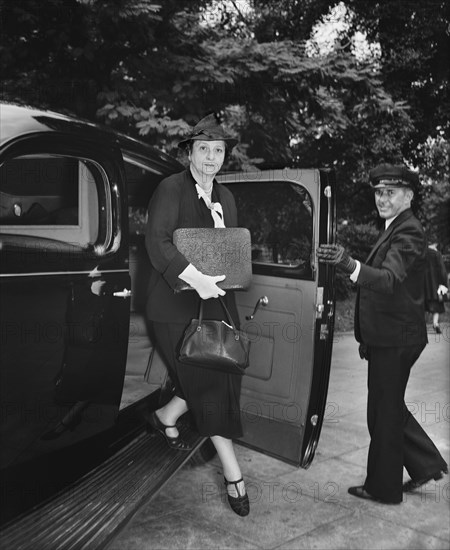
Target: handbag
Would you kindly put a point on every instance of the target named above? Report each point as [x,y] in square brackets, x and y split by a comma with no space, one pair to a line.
[215,345]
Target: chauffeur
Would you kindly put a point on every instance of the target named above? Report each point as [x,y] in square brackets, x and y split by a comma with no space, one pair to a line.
[390,326]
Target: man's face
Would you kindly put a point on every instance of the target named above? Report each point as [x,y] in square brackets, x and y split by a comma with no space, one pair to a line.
[391,201]
[207,157]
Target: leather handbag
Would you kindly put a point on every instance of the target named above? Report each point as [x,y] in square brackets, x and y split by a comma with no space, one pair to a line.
[217,251]
[215,345]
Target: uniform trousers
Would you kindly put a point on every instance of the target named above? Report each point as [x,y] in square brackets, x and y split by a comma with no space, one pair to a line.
[396,438]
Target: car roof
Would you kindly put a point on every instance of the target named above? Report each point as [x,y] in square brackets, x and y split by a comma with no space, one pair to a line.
[18,120]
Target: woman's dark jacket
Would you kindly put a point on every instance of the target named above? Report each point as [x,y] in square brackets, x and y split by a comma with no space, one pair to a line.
[436,274]
[175,204]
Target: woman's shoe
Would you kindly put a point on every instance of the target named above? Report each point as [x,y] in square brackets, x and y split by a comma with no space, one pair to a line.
[174,442]
[240,504]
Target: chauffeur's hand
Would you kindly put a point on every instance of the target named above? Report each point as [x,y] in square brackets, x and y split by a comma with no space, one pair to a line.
[335,254]
[363,351]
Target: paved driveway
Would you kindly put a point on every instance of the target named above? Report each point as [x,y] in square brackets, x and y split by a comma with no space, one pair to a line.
[294,508]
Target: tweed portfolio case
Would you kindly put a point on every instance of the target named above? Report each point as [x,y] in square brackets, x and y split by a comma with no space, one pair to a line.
[217,251]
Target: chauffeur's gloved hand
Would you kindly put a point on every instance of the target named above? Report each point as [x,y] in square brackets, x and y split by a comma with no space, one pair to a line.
[336,254]
[205,285]
[363,351]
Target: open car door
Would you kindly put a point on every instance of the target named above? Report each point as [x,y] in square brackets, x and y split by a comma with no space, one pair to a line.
[288,312]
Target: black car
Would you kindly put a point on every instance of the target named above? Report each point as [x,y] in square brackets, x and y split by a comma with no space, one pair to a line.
[78,369]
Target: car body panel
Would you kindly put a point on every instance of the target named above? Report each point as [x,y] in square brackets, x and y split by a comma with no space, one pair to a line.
[64,332]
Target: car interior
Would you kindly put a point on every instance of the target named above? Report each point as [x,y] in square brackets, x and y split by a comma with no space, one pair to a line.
[52,197]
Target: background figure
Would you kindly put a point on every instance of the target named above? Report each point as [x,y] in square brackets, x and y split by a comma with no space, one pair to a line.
[193,198]
[435,285]
[390,326]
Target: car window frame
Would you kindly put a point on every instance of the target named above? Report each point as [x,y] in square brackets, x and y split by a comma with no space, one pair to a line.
[108,191]
[278,269]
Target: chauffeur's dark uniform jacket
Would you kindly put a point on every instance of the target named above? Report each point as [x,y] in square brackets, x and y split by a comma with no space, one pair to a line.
[390,321]
[390,287]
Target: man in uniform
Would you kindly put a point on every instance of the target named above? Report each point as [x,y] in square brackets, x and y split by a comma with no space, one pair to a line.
[390,327]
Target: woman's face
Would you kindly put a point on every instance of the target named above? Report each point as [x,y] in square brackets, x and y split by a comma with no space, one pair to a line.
[206,158]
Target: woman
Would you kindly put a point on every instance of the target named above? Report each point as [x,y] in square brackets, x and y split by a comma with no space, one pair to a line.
[435,285]
[193,198]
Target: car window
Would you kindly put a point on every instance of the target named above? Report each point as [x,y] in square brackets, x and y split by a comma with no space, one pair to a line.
[50,196]
[279,216]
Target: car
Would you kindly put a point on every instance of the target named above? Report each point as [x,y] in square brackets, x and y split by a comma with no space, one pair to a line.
[78,367]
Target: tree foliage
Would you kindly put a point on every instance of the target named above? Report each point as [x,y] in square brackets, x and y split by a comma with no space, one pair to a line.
[62,54]
[414,39]
[152,68]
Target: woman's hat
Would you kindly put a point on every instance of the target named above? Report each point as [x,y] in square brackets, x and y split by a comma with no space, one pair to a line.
[208,129]
[393,175]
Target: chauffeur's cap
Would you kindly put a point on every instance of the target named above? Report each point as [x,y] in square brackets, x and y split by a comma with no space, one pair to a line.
[393,175]
[208,129]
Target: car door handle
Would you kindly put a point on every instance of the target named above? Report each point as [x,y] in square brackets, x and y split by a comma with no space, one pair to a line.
[125,293]
[263,301]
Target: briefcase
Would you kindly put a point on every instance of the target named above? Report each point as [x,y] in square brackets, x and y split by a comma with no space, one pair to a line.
[217,251]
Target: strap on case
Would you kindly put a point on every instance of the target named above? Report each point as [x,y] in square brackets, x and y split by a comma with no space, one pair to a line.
[230,319]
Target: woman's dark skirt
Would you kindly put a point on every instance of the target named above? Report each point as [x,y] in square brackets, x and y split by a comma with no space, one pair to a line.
[434,306]
[212,397]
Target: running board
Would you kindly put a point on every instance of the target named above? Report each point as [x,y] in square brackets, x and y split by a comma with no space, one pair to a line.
[90,512]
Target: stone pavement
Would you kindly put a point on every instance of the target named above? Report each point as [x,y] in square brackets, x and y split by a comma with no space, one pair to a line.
[303,509]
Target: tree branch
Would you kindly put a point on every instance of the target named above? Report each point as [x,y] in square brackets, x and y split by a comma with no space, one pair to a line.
[241,17]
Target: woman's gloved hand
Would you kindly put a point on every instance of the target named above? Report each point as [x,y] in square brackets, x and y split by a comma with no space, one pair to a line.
[205,285]
[442,289]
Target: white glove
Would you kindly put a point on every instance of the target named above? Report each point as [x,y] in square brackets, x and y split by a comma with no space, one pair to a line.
[205,285]
[442,289]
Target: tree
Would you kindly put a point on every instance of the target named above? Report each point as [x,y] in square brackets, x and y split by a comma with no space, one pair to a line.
[152,69]
[288,108]
[415,58]
[434,158]
[415,67]
[61,54]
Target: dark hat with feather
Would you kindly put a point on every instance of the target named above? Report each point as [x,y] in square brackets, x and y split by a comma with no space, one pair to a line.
[208,129]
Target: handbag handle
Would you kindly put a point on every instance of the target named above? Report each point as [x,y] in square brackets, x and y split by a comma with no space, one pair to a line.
[230,319]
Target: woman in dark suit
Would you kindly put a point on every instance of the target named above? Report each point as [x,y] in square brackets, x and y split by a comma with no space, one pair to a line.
[193,198]
[435,285]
